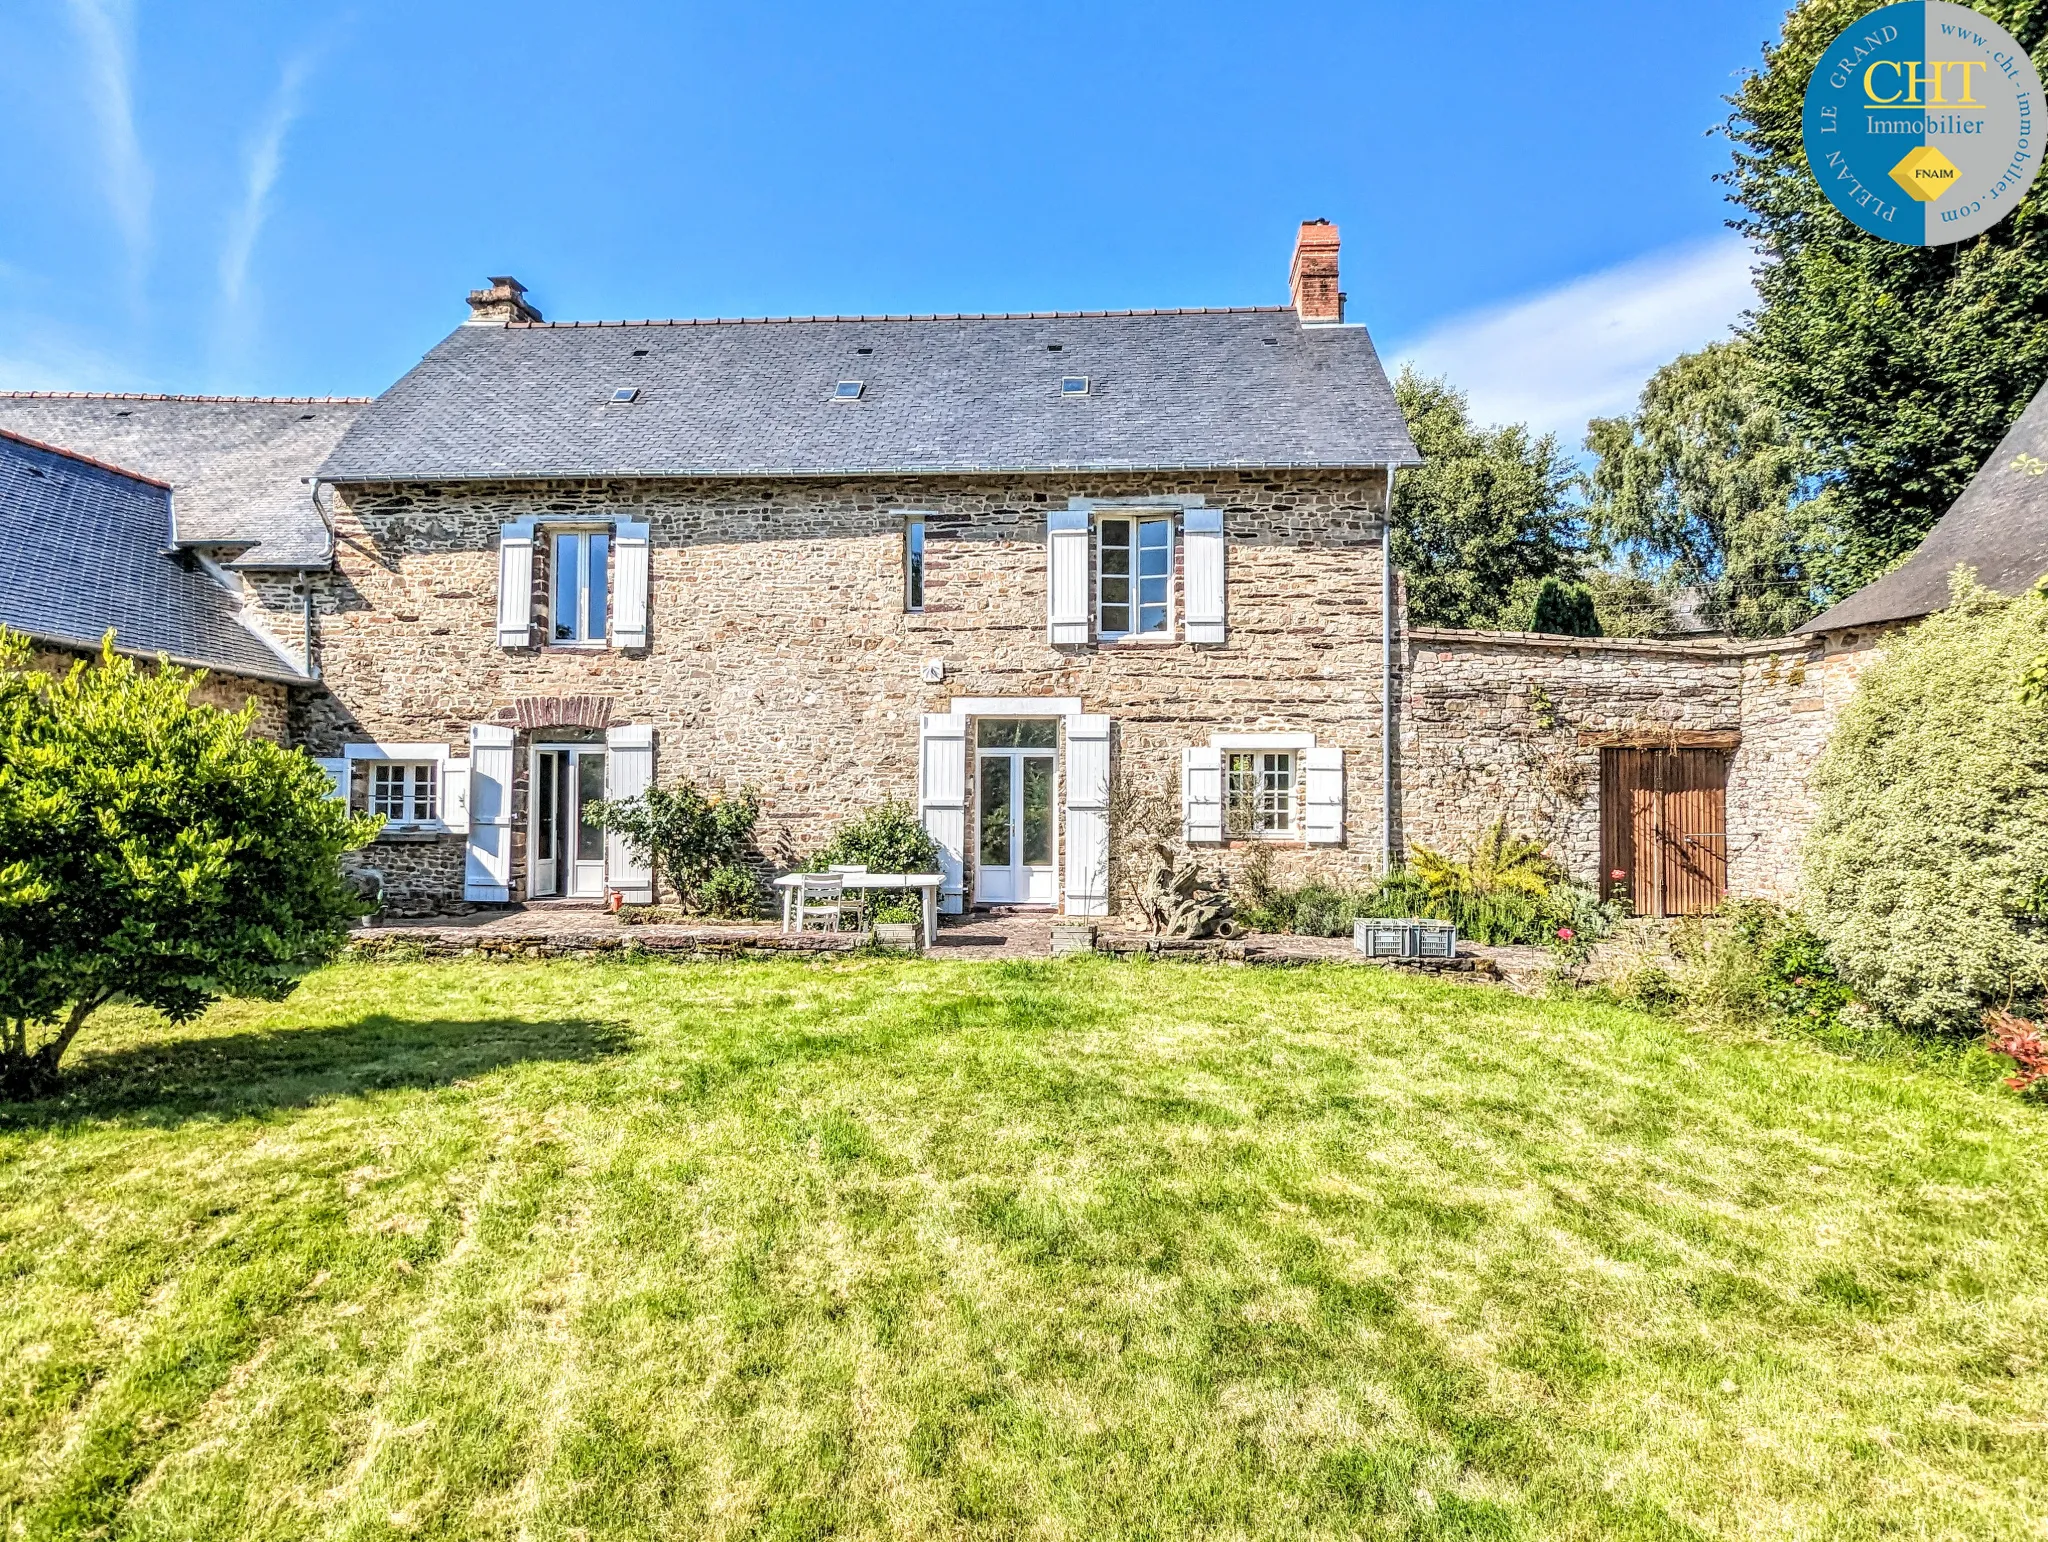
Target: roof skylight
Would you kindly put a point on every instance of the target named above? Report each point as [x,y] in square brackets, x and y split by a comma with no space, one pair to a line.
[1074,385]
[847,390]
[625,393]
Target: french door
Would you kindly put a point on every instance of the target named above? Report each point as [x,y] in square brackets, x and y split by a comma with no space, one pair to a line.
[1016,831]
[568,850]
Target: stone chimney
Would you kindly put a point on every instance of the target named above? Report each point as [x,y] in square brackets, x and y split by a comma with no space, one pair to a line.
[1312,277]
[505,300]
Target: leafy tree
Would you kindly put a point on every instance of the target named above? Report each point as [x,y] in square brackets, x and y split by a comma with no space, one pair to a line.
[1628,602]
[1703,479]
[693,838]
[151,851]
[1898,367]
[1486,509]
[887,838]
[1927,859]
[1564,610]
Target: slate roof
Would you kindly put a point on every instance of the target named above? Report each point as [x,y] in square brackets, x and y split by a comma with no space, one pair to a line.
[238,464]
[1189,389]
[1999,526]
[82,548]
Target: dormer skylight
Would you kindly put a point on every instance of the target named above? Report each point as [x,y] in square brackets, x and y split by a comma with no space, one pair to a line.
[625,393]
[1074,385]
[847,390]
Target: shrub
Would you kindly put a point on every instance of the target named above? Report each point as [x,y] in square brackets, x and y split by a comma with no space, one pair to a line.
[885,839]
[1565,610]
[685,834]
[151,850]
[1753,961]
[731,892]
[1925,860]
[2023,1044]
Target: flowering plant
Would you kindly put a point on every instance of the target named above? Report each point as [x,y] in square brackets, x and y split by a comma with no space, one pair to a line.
[2021,1042]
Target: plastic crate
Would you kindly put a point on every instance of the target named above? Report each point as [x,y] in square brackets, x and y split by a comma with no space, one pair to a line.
[1376,937]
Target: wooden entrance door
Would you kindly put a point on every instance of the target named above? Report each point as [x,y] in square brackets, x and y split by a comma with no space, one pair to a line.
[1664,827]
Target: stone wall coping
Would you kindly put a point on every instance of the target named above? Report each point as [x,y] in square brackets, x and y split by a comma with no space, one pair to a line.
[1723,648]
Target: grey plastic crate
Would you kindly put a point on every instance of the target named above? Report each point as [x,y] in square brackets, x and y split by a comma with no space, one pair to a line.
[1405,938]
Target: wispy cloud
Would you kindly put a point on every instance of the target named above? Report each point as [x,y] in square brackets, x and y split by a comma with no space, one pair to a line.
[263,162]
[1584,349]
[107,29]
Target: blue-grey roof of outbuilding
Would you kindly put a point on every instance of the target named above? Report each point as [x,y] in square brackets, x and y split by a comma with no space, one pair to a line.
[1997,527]
[83,548]
[1167,390]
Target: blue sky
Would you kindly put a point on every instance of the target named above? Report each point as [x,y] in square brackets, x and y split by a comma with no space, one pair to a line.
[294,199]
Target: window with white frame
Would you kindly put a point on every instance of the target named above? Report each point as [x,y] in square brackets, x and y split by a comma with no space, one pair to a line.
[1258,793]
[913,562]
[406,792]
[580,572]
[1134,576]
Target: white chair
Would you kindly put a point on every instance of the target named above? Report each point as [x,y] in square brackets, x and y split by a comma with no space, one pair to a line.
[859,898]
[823,899]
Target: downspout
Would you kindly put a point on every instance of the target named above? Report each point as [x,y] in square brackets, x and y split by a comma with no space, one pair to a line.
[1387,674]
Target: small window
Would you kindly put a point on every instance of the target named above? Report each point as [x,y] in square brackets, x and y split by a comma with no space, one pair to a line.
[1074,385]
[1135,577]
[913,563]
[1016,733]
[1259,794]
[406,793]
[581,562]
[625,393]
[847,390]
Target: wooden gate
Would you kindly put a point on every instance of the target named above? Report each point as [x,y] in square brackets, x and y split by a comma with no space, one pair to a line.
[1664,827]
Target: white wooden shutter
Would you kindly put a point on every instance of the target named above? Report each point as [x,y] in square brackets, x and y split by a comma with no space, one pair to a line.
[455,796]
[1323,777]
[628,772]
[1202,566]
[515,584]
[1087,815]
[1066,575]
[1201,796]
[942,798]
[336,767]
[488,869]
[629,584]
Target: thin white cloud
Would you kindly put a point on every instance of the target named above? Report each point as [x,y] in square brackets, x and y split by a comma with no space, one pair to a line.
[265,161]
[107,29]
[1584,349]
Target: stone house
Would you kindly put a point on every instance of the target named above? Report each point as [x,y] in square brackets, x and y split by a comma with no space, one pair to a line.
[1058,580]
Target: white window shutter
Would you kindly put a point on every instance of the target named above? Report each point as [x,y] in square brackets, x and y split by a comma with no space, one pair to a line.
[336,767]
[1323,778]
[1202,574]
[1201,796]
[942,799]
[628,772]
[1088,815]
[515,584]
[455,796]
[1066,576]
[629,584]
[487,872]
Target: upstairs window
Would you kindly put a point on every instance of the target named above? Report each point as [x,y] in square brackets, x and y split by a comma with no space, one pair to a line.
[405,793]
[582,559]
[1258,794]
[1134,577]
[913,563]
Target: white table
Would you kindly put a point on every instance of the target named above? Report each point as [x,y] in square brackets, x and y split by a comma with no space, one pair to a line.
[791,884]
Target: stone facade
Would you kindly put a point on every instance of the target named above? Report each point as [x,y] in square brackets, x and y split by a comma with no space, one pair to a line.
[230,693]
[781,655]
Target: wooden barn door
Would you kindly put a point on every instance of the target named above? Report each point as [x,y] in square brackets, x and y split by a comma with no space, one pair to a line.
[1663,826]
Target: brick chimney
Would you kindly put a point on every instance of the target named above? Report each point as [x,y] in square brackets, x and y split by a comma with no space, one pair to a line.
[505,300]
[1312,276]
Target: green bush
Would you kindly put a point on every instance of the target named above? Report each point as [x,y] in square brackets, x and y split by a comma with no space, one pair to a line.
[1925,862]
[885,839]
[686,835]
[1754,961]
[731,892]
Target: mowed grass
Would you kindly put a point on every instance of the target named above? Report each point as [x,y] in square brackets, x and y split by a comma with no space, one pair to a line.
[1073,1250]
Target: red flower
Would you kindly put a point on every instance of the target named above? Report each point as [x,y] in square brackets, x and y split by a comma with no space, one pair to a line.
[1618,874]
[1566,934]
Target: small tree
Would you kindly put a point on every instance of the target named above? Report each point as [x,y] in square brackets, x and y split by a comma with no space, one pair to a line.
[1927,863]
[688,835]
[888,838]
[1565,610]
[151,851]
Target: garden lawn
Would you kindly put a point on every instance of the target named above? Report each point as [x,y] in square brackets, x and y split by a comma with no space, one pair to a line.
[1081,1249]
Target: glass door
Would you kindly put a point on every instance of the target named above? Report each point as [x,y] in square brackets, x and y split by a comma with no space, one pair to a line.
[1015,821]
[568,850]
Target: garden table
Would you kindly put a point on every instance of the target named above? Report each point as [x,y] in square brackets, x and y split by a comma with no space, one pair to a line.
[791,884]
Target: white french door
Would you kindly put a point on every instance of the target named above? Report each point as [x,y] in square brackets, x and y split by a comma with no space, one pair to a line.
[1016,861]
[568,851]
